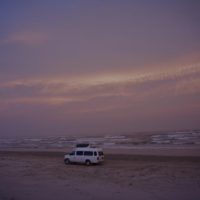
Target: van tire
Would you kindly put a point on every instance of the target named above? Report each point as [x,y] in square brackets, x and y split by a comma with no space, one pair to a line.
[88,162]
[67,161]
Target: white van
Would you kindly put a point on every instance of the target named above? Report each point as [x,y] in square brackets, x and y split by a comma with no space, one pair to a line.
[87,155]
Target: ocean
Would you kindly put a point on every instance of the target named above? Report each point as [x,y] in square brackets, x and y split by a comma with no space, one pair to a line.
[126,141]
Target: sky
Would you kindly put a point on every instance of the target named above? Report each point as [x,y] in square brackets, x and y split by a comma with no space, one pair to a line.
[73,67]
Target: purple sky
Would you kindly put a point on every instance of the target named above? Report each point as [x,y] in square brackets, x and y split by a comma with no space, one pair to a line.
[98,67]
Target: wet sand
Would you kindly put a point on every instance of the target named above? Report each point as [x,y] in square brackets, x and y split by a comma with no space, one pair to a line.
[43,175]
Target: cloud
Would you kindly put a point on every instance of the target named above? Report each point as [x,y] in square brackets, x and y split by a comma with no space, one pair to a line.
[98,93]
[25,38]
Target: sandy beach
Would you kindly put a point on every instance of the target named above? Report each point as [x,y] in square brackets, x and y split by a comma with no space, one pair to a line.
[43,175]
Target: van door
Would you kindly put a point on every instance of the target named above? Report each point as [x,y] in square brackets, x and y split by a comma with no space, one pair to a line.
[101,156]
[79,157]
[88,155]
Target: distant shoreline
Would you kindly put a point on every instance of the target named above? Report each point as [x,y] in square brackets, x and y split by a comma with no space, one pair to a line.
[166,154]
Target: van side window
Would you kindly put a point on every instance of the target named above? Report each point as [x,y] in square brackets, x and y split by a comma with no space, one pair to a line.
[88,153]
[95,153]
[79,153]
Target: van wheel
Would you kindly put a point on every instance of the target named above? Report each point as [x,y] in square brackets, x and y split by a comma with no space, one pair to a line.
[67,161]
[87,162]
